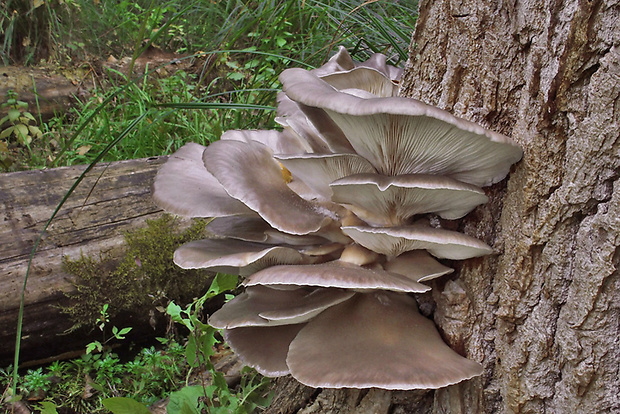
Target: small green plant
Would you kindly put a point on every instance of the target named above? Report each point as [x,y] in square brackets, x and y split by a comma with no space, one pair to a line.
[35,381]
[16,123]
[215,397]
[101,322]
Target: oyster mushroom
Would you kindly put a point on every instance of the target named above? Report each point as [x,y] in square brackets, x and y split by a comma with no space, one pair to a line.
[322,220]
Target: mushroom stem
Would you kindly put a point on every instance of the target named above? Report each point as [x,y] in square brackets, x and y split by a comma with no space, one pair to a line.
[358,255]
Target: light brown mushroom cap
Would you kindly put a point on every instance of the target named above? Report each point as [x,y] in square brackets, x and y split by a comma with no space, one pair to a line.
[248,172]
[392,200]
[263,348]
[393,241]
[263,306]
[336,274]
[375,340]
[405,136]
[417,265]
[184,187]
[317,171]
[235,256]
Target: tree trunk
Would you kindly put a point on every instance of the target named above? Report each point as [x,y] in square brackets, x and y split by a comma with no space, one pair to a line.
[543,314]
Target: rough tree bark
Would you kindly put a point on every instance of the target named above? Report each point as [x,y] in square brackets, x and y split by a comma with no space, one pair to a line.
[543,314]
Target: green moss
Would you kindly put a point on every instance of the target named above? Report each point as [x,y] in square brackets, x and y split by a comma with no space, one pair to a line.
[143,279]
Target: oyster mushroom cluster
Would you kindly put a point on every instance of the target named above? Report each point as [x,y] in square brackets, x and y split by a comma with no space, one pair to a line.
[327,221]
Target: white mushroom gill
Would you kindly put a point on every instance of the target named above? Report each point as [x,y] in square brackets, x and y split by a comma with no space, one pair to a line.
[323,221]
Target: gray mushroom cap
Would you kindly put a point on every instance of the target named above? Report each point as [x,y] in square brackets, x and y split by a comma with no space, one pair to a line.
[255,229]
[278,142]
[336,274]
[248,172]
[235,256]
[405,136]
[341,61]
[367,79]
[263,348]
[417,265]
[393,241]
[319,170]
[392,200]
[263,306]
[184,187]
[375,340]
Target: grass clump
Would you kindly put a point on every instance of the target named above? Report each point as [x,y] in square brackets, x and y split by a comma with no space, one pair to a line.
[143,280]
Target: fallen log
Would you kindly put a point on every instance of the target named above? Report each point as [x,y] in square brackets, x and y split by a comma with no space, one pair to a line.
[47,93]
[112,199]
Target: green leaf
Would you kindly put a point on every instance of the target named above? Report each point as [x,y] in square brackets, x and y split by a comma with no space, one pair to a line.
[190,351]
[124,405]
[236,76]
[47,407]
[175,311]
[35,131]
[221,283]
[92,346]
[185,401]
[125,331]
[14,114]
[6,132]
[22,131]
[29,116]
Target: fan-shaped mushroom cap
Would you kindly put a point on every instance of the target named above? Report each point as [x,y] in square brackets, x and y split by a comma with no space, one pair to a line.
[247,228]
[234,256]
[405,136]
[183,186]
[367,79]
[248,172]
[327,129]
[375,340]
[263,348]
[317,171]
[392,241]
[262,306]
[417,265]
[392,200]
[255,229]
[378,61]
[336,274]
[340,61]
[277,141]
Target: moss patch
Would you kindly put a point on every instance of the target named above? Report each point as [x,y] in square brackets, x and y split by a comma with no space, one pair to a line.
[143,279]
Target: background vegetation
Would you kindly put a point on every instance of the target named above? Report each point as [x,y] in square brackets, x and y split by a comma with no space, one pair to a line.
[158,74]
[230,52]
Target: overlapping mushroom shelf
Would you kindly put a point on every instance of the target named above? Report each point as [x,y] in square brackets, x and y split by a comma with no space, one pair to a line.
[327,221]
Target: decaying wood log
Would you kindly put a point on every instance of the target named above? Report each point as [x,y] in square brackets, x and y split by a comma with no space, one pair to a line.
[47,93]
[542,315]
[112,198]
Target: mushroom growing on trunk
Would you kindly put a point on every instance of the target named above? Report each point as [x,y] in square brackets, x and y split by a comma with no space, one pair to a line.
[326,221]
